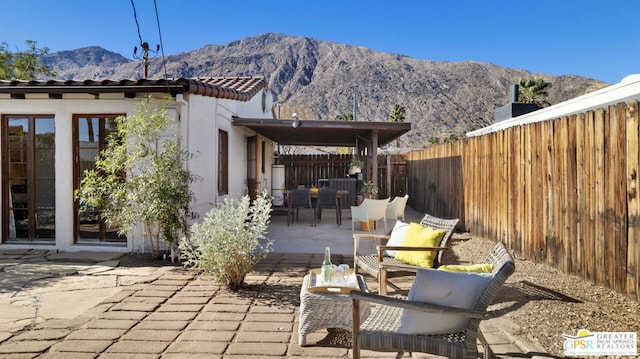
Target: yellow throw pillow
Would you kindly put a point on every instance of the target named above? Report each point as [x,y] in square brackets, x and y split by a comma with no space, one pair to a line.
[468,268]
[420,236]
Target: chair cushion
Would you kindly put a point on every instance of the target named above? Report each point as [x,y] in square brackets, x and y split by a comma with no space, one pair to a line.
[397,237]
[470,268]
[420,236]
[459,290]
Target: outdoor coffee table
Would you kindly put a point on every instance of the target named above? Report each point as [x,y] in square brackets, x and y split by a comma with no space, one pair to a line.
[327,307]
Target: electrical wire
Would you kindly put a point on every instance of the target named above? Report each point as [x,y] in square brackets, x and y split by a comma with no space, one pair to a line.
[135,17]
[164,63]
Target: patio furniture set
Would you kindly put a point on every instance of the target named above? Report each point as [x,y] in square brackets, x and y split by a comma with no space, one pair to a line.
[315,199]
[441,313]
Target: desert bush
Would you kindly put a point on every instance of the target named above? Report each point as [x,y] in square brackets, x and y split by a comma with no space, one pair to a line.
[230,240]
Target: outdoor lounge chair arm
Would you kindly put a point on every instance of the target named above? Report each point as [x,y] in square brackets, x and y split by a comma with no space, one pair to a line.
[397,266]
[358,236]
[382,248]
[420,306]
[370,235]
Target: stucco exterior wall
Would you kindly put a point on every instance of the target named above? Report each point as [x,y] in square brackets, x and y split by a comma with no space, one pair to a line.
[199,117]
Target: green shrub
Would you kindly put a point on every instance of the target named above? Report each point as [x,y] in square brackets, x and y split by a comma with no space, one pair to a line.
[230,240]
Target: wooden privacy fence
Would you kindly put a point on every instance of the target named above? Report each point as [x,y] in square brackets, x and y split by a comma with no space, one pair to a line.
[562,192]
[309,169]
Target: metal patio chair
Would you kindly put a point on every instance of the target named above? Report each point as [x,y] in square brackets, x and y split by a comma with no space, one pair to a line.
[299,198]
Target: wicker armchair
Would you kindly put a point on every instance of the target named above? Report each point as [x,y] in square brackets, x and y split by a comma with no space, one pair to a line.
[379,332]
[383,266]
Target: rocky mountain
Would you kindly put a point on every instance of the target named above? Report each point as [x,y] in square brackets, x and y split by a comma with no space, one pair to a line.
[319,80]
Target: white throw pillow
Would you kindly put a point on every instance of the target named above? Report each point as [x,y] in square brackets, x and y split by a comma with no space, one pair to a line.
[459,290]
[397,236]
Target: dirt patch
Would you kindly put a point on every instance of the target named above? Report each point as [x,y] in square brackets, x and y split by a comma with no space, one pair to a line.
[545,303]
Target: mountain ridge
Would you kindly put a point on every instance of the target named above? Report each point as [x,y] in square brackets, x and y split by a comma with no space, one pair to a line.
[319,79]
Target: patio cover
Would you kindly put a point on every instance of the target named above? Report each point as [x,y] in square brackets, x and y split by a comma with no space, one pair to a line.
[326,133]
[330,133]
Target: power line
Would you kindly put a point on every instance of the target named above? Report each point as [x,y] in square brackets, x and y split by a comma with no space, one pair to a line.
[135,17]
[144,45]
[164,63]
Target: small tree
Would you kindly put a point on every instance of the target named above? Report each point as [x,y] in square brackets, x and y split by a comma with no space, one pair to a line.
[230,240]
[23,65]
[345,117]
[397,115]
[433,140]
[141,178]
[451,138]
[534,90]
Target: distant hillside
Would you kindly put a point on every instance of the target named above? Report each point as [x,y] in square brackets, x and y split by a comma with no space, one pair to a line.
[318,79]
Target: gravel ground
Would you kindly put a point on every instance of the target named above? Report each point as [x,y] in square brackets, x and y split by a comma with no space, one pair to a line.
[545,303]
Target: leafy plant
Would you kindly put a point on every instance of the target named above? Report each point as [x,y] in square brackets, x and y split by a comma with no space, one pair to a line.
[397,115]
[534,90]
[369,187]
[356,162]
[451,138]
[141,178]
[230,240]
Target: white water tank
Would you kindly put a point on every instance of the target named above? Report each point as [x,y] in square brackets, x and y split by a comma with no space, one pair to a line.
[277,184]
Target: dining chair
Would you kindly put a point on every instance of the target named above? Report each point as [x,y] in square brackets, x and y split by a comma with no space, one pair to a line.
[300,198]
[370,210]
[395,208]
[328,198]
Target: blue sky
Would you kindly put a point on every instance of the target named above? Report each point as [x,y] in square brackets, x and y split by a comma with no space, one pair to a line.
[592,38]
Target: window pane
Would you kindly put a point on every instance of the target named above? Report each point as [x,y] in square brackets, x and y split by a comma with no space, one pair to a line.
[31,177]
[18,132]
[92,138]
[46,223]
[45,164]
[45,194]
[88,131]
[45,133]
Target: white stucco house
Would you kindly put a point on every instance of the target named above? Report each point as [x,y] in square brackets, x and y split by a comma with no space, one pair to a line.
[51,131]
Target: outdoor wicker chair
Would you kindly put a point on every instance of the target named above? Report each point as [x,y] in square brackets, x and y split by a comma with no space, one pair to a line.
[384,266]
[379,332]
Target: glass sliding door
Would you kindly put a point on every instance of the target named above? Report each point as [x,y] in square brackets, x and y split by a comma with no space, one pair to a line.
[90,137]
[29,186]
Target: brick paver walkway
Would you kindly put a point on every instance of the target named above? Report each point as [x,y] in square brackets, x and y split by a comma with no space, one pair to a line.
[181,315]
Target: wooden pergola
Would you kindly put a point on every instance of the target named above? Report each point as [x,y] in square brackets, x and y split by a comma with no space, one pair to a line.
[366,136]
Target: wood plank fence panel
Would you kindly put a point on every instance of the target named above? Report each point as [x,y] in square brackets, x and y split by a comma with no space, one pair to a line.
[572,198]
[599,260]
[590,197]
[538,204]
[620,208]
[563,192]
[633,201]
[581,206]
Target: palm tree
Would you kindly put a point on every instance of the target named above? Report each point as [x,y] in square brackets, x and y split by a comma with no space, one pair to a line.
[534,90]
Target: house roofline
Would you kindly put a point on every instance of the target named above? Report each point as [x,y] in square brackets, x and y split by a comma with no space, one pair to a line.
[233,88]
